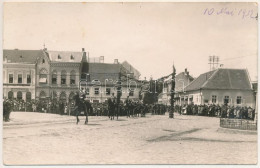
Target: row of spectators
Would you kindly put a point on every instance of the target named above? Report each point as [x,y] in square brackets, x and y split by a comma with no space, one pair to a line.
[135,108]
[224,111]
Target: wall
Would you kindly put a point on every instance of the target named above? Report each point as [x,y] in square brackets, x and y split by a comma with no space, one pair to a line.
[200,98]
[15,69]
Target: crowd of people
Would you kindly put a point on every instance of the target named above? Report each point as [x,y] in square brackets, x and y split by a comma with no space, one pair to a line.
[224,111]
[130,108]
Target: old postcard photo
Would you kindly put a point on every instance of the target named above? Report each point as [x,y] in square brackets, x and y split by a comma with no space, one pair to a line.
[169,83]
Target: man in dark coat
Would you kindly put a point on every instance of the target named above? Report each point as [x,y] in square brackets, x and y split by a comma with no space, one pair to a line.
[77,108]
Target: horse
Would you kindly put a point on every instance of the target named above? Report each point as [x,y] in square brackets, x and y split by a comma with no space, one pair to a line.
[111,109]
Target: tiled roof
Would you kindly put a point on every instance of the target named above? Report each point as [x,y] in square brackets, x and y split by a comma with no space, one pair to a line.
[22,56]
[131,69]
[65,56]
[222,79]
[103,71]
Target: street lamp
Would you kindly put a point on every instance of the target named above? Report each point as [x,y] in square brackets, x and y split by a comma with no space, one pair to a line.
[171,113]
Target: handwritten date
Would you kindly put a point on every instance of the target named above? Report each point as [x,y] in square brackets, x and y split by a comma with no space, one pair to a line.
[243,13]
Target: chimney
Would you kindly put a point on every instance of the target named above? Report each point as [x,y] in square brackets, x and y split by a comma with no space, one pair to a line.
[84,55]
[101,59]
[115,61]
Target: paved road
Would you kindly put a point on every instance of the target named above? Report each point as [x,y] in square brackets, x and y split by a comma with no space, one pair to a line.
[37,138]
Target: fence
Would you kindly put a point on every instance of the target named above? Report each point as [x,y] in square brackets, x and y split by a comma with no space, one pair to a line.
[242,124]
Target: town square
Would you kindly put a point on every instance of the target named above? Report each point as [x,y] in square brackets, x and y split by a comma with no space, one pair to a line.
[138,83]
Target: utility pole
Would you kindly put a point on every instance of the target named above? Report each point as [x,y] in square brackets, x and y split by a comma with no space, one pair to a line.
[171,113]
[118,92]
[213,60]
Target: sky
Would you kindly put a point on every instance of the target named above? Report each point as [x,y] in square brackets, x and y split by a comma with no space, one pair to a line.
[150,36]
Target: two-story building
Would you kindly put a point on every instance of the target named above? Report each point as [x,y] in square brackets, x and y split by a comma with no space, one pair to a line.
[19,72]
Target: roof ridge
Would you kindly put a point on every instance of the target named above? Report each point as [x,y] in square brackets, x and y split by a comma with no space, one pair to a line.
[207,81]
[248,78]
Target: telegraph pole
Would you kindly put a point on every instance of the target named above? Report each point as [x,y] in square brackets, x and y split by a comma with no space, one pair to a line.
[118,92]
[171,113]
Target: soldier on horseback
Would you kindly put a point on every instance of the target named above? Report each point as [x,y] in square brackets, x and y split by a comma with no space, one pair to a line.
[111,106]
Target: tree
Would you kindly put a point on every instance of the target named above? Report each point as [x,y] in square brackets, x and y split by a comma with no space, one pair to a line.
[151,96]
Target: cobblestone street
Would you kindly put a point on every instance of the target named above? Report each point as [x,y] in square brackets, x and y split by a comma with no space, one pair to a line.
[38,138]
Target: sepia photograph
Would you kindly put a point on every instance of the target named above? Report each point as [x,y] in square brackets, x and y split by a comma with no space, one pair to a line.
[129,83]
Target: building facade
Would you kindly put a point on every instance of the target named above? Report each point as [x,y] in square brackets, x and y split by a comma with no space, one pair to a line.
[19,72]
[182,80]
[58,75]
[221,86]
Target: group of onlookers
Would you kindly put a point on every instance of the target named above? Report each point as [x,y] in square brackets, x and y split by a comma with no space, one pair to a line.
[126,108]
[224,111]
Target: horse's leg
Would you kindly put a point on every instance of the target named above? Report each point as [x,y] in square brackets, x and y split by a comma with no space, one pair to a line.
[77,117]
[117,113]
[86,122]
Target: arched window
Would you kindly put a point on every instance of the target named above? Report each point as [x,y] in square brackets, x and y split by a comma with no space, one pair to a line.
[59,57]
[43,76]
[63,96]
[42,95]
[43,61]
[10,95]
[72,57]
[28,96]
[19,95]
[54,77]
[71,96]
[72,77]
[54,95]
[63,77]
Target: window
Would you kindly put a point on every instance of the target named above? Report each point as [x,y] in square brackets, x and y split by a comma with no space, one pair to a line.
[59,57]
[11,78]
[43,61]
[239,99]
[72,78]
[226,99]
[28,96]
[43,76]
[108,91]
[10,95]
[96,91]
[214,99]
[63,77]
[63,97]
[54,77]
[131,92]
[28,78]
[87,91]
[19,95]
[72,57]
[20,78]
